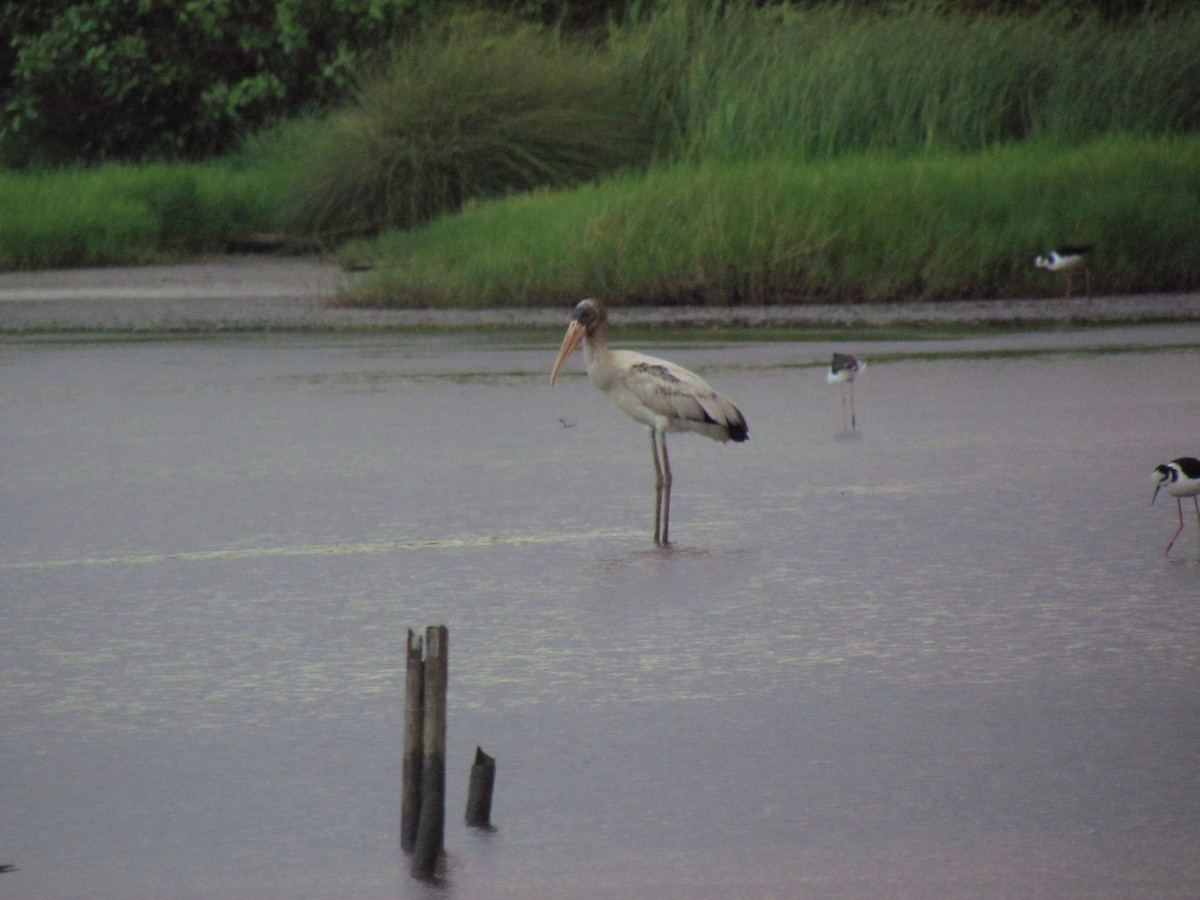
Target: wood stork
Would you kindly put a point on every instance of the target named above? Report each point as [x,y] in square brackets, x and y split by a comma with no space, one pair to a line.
[1181,478]
[659,394]
[841,372]
[1066,258]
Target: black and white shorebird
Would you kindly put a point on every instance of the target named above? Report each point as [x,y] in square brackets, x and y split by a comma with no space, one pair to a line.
[1181,478]
[659,394]
[1064,259]
[842,372]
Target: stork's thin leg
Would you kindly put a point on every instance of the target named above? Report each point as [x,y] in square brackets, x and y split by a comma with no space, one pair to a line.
[842,397]
[1179,503]
[658,485]
[666,510]
[853,418]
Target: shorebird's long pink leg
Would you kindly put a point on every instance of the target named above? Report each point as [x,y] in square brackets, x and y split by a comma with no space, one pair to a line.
[1179,531]
[1196,501]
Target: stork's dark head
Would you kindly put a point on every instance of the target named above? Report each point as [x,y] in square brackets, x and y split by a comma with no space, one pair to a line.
[588,318]
[590,314]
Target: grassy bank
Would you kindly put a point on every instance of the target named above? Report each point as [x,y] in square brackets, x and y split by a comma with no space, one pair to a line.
[126,214]
[866,228]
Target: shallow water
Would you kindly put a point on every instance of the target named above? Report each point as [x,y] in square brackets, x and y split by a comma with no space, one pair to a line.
[941,656]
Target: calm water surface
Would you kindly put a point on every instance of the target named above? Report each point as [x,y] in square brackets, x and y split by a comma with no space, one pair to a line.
[943,656]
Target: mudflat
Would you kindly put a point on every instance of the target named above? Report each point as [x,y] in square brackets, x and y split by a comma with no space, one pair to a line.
[253,291]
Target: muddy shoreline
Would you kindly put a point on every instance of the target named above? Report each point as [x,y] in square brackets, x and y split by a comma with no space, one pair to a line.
[252,292]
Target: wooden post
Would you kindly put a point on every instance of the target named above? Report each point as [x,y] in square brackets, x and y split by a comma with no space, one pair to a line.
[414,718]
[479,794]
[431,828]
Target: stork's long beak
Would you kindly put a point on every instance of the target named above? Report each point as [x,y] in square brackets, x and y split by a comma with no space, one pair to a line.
[1155,497]
[574,335]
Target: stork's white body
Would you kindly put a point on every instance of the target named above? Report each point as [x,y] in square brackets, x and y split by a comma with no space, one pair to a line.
[655,392]
[660,394]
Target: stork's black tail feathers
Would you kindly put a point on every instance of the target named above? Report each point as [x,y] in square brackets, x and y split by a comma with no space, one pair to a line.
[738,431]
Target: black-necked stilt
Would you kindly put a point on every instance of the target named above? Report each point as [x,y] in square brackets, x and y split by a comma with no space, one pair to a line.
[1066,258]
[841,372]
[1181,478]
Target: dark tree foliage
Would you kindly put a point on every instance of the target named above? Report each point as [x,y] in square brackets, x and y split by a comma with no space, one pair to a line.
[568,13]
[132,79]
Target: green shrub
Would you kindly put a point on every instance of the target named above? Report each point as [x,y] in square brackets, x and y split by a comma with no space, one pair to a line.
[467,112]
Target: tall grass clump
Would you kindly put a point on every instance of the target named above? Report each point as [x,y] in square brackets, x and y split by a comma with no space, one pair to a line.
[860,228]
[744,81]
[123,214]
[466,112]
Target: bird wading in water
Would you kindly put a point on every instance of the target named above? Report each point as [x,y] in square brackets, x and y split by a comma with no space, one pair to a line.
[659,394]
[842,372]
[1181,478]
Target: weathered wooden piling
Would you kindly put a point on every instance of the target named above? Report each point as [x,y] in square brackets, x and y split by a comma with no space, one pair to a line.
[414,718]
[479,791]
[431,828]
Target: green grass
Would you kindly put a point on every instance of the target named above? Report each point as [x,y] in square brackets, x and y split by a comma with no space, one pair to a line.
[817,82]
[121,214]
[867,228]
